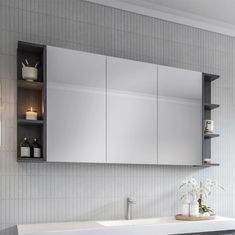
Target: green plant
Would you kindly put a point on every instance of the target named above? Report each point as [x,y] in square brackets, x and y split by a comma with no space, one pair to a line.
[203,208]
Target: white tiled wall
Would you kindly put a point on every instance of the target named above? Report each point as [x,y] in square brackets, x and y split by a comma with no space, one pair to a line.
[30,192]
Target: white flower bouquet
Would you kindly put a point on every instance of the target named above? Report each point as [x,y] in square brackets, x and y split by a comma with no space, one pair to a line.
[200,191]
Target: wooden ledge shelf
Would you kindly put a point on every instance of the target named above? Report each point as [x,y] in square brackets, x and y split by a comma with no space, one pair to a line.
[210,106]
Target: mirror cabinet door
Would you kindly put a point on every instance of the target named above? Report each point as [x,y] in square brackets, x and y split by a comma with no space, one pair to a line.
[131,112]
[179,116]
[76,106]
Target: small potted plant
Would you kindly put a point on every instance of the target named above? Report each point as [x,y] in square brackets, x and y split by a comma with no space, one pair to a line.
[199,191]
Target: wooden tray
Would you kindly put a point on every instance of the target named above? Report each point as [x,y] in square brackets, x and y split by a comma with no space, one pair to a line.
[195,218]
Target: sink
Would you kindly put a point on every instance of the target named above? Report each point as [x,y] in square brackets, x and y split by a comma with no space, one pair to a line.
[110,223]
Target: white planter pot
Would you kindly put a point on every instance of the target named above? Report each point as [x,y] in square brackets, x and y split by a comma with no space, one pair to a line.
[29,74]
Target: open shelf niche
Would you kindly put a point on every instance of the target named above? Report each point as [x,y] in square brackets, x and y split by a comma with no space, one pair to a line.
[207,79]
[31,94]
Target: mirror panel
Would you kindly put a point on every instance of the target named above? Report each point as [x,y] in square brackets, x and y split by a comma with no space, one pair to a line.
[179,116]
[131,112]
[76,106]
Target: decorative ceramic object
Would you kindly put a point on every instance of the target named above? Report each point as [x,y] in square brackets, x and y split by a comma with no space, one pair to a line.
[209,126]
[29,73]
[207,160]
[194,207]
[185,206]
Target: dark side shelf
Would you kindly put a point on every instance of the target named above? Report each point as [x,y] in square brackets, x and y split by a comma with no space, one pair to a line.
[207,165]
[210,135]
[210,164]
[30,159]
[210,106]
[210,77]
[30,85]
[29,122]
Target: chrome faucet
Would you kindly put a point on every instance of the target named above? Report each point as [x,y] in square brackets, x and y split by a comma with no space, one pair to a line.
[130,203]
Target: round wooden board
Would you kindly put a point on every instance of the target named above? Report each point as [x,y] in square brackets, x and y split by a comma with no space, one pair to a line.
[194,218]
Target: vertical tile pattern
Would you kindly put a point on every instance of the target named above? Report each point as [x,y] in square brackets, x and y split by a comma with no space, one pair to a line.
[50,192]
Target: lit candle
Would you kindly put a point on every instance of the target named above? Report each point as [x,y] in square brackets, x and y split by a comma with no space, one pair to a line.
[31,115]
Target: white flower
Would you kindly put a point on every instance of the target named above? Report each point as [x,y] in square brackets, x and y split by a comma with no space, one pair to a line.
[198,190]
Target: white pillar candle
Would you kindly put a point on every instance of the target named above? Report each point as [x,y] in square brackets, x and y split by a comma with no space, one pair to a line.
[31,115]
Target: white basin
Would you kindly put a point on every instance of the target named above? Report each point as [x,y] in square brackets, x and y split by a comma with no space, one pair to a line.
[109,223]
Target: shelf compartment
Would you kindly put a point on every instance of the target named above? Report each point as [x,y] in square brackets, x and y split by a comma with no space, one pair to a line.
[28,98]
[210,135]
[30,85]
[29,122]
[208,106]
[31,132]
[33,53]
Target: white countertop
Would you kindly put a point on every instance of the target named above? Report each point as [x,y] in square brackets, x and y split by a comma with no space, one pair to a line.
[152,226]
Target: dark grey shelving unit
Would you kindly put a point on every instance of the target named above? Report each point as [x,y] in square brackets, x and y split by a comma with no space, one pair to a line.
[207,79]
[31,94]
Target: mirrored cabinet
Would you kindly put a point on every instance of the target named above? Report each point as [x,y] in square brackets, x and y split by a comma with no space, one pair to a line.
[99,109]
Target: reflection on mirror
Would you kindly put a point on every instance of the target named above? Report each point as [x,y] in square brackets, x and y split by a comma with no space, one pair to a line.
[179,116]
